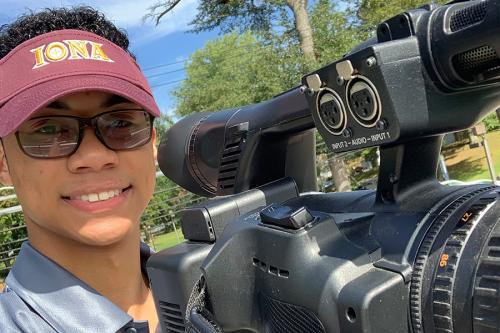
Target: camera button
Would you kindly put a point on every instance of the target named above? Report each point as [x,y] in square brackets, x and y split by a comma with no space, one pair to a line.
[286,217]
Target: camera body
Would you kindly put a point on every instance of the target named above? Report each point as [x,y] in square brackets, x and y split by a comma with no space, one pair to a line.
[412,256]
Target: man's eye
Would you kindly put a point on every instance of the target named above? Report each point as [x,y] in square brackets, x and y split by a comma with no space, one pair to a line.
[49,129]
[54,130]
[120,123]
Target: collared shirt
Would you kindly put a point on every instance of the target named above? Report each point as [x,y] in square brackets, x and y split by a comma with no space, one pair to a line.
[43,297]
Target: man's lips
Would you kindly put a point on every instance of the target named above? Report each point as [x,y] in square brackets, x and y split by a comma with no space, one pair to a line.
[99,201]
[93,195]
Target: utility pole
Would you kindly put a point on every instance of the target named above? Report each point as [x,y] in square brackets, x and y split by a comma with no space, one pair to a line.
[480,130]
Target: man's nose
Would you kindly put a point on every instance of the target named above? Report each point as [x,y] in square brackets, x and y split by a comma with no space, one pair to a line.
[92,155]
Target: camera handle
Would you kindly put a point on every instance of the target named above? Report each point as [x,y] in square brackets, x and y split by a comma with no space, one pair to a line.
[419,158]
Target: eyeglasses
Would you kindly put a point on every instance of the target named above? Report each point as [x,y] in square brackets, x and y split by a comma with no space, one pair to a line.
[60,136]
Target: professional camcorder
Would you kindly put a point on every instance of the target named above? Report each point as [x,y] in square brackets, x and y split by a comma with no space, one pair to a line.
[269,254]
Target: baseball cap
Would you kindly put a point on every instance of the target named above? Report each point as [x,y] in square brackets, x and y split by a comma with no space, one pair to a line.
[49,66]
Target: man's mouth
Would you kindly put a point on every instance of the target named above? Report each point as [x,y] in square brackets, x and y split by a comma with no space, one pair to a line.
[100,196]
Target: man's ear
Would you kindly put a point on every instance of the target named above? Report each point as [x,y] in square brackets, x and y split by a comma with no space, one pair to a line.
[155,147]
[4,168]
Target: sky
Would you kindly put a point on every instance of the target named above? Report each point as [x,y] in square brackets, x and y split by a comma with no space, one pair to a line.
[161,50]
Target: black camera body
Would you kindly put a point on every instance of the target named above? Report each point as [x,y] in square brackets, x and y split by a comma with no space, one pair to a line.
[412,256]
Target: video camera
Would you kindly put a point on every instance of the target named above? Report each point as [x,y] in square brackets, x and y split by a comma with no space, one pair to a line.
[269,255]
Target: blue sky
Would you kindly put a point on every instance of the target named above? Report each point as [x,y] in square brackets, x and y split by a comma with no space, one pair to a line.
[167,45]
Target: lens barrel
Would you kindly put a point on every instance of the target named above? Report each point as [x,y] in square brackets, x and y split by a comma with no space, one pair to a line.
[456,280]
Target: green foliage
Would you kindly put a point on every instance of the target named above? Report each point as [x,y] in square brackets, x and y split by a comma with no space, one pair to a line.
[334,33]
[373,12]
[491,122]
[240,69]
[231,71]
[162,124]
[241,15]
[164,207]
[12,232]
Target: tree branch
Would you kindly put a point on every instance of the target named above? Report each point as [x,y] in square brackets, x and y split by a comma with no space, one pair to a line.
[167,5]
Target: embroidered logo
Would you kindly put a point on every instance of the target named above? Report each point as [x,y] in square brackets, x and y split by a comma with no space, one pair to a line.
[69,50]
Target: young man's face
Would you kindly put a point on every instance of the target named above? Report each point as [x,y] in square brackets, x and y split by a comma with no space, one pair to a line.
[95,196]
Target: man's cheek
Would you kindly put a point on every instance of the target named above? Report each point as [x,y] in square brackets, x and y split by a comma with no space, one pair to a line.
[27,188]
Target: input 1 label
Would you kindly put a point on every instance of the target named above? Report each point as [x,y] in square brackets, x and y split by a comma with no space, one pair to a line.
[363,140]
[380,136]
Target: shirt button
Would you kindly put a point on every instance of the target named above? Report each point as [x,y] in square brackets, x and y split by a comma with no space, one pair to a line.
[131,330]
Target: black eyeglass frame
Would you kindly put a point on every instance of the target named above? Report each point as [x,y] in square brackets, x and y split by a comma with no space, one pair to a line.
[92,123]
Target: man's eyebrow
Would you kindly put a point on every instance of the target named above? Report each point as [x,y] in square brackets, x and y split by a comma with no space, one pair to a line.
[114,100]
[58,105]
[109,102]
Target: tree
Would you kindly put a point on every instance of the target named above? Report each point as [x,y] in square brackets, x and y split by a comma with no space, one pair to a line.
[12,231]
[244,15]
[491,121]
[162,124]
[373,12]
[258,16]
[231,71]
[334,33]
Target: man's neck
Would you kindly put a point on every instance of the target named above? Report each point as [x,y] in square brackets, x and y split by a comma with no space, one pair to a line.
[114,270]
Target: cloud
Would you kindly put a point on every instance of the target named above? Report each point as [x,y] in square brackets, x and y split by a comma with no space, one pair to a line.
[131,12]
[127,14]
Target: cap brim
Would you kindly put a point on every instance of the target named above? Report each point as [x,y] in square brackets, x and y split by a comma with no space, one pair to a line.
[14,112]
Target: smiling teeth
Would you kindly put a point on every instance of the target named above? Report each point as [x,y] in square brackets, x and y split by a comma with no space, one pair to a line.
[102,196]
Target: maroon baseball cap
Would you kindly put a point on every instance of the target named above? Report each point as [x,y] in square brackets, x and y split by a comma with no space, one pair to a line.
[57,63]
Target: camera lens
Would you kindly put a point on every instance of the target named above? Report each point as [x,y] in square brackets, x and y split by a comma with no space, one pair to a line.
[456,281]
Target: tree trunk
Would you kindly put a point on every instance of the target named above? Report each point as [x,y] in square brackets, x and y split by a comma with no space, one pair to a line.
[303,26]
[340,174]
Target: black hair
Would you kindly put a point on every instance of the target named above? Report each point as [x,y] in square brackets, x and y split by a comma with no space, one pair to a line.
[81,18]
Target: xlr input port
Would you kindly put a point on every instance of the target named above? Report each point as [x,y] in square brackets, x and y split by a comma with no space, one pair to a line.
[363,102]
[331,112]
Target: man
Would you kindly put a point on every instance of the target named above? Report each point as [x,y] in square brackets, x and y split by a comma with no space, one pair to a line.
[78,145]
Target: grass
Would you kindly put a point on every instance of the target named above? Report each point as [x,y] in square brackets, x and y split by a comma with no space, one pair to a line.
[167,240]
[467,164]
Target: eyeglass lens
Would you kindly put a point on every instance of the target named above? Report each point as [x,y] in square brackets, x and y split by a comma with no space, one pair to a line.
[58,136]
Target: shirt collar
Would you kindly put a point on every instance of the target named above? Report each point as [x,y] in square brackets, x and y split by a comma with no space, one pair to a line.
[60,298]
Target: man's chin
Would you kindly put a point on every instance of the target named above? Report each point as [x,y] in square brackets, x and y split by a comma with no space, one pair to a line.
[105,233]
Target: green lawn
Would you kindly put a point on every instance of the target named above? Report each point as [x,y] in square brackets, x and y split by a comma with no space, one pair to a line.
[167,240]
[467,164]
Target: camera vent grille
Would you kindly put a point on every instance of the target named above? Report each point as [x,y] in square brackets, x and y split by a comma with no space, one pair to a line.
[281,317]
[172,317]
[476,64]
[467,16]
[273,270]
[229,163]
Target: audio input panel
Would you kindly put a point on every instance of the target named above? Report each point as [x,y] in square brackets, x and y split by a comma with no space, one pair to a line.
[363,101]
[331,111]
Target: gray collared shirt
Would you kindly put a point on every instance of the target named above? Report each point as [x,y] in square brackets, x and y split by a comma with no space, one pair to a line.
[43,297]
